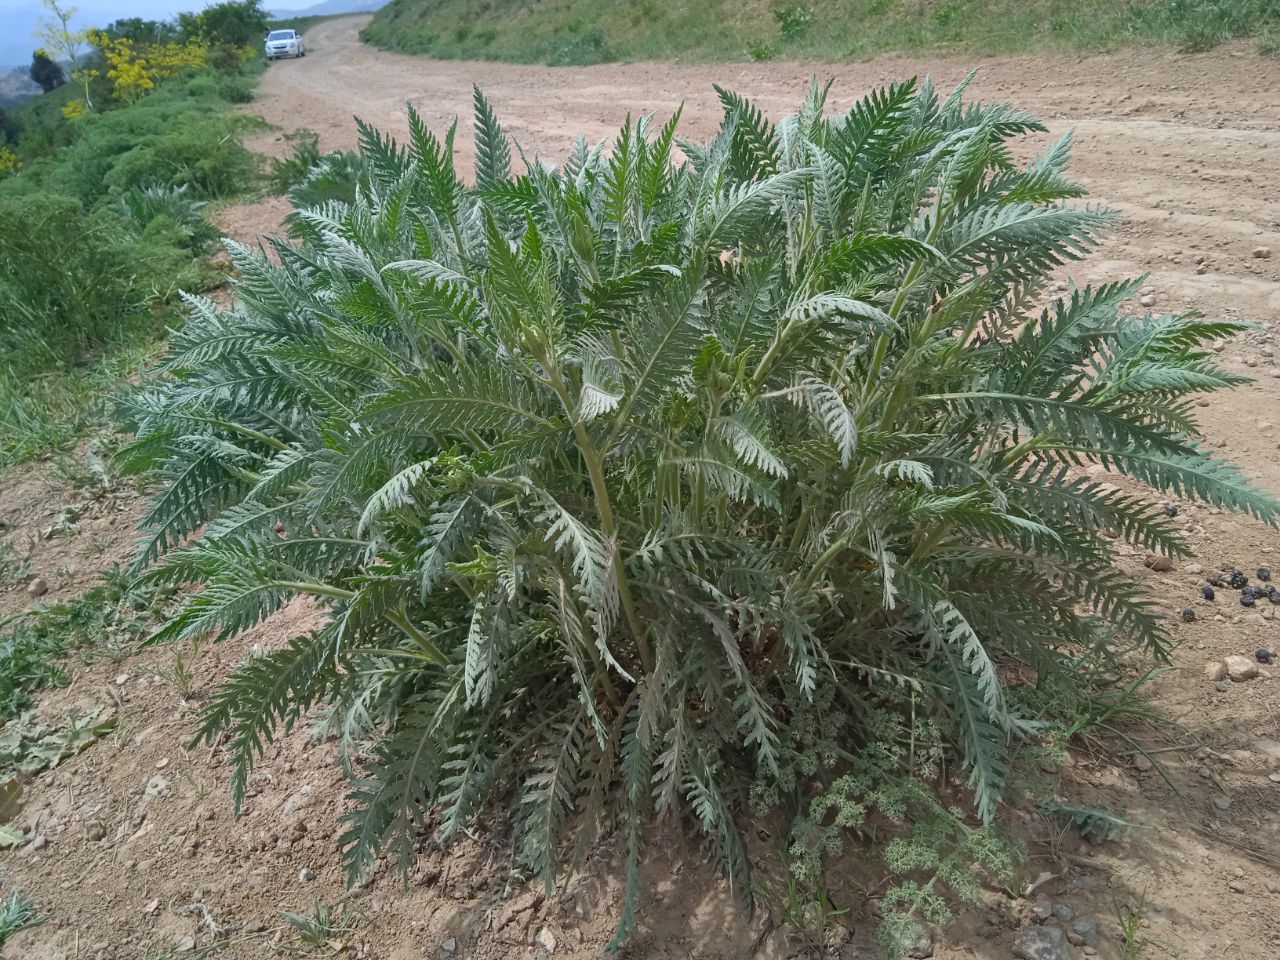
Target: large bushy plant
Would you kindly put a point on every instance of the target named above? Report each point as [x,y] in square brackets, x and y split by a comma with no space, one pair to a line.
[640,487]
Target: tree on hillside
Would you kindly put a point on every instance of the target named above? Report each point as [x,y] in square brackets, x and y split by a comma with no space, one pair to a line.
[71,46]
[140,30]
[236,23]
[8,128]
[45,72]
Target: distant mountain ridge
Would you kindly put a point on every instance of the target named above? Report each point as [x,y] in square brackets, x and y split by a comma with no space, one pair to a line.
[329,8]
[16,86]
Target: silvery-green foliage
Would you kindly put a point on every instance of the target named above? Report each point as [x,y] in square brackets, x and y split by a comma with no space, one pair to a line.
[637,485]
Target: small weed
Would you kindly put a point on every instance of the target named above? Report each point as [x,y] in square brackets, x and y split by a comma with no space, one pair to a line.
[1129,916]
[1094,823]
[179,674]
[13,568]
[98,544]
[795,20]
[17,912]
[109,620]
[803,908]
[762,51]
[288,172]
[322,929]
[27,747]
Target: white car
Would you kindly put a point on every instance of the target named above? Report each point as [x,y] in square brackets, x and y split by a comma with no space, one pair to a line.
[285,43]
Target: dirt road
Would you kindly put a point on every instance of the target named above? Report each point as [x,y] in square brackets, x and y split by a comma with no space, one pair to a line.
[134,847]
[1187,147]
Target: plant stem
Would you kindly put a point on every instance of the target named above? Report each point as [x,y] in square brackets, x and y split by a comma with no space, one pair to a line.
[595,470]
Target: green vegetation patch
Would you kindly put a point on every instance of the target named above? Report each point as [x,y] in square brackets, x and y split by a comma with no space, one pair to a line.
[597,31]
[104,213]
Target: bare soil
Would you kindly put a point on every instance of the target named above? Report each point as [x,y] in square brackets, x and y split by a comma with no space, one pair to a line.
[1186,147]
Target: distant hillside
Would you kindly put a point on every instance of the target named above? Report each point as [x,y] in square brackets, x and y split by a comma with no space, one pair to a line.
[16,86]
[595,31]
[329,8]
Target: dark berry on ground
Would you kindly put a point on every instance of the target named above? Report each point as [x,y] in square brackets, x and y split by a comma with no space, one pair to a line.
[1206,592]
[1171,510]
[1262,656]
[1246,599]
[1238,579]
[1264,573]
[1188,615]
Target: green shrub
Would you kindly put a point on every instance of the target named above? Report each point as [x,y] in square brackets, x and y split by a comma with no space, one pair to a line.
[795,21]
[636,489]
[288,172]
[237,90]
[203,154]
[68,278]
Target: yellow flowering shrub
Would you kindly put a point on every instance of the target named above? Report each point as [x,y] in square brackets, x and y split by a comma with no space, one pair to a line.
[9,162]
[73,109]
[133,69]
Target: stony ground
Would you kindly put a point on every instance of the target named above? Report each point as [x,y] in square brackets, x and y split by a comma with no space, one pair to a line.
[132,846]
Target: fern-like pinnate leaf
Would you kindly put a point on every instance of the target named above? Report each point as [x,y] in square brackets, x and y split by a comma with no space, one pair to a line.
[635,486]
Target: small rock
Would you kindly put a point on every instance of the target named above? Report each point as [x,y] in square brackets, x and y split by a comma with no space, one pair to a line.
[916,941]
[1041,943]
[121,679]
[162,763]
[1222,686]
[1158,564]
[546,940]
[95,830]
[1141,763]
[300,798]
[255,926]
[1261,253]
[1215,671]
[1062,912]
[1202,269]
[1240,669]
[1042,911]
[37,588]
[1222,803]
[157,786]
[1148,301]
[39,843]
[1274,371]
[306,875]
[1267,747]
[1194,568]
[449,945]
[152,907]
[1238,886]
[1086,928]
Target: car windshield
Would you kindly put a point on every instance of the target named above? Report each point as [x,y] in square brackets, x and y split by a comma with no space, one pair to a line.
[280,35]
